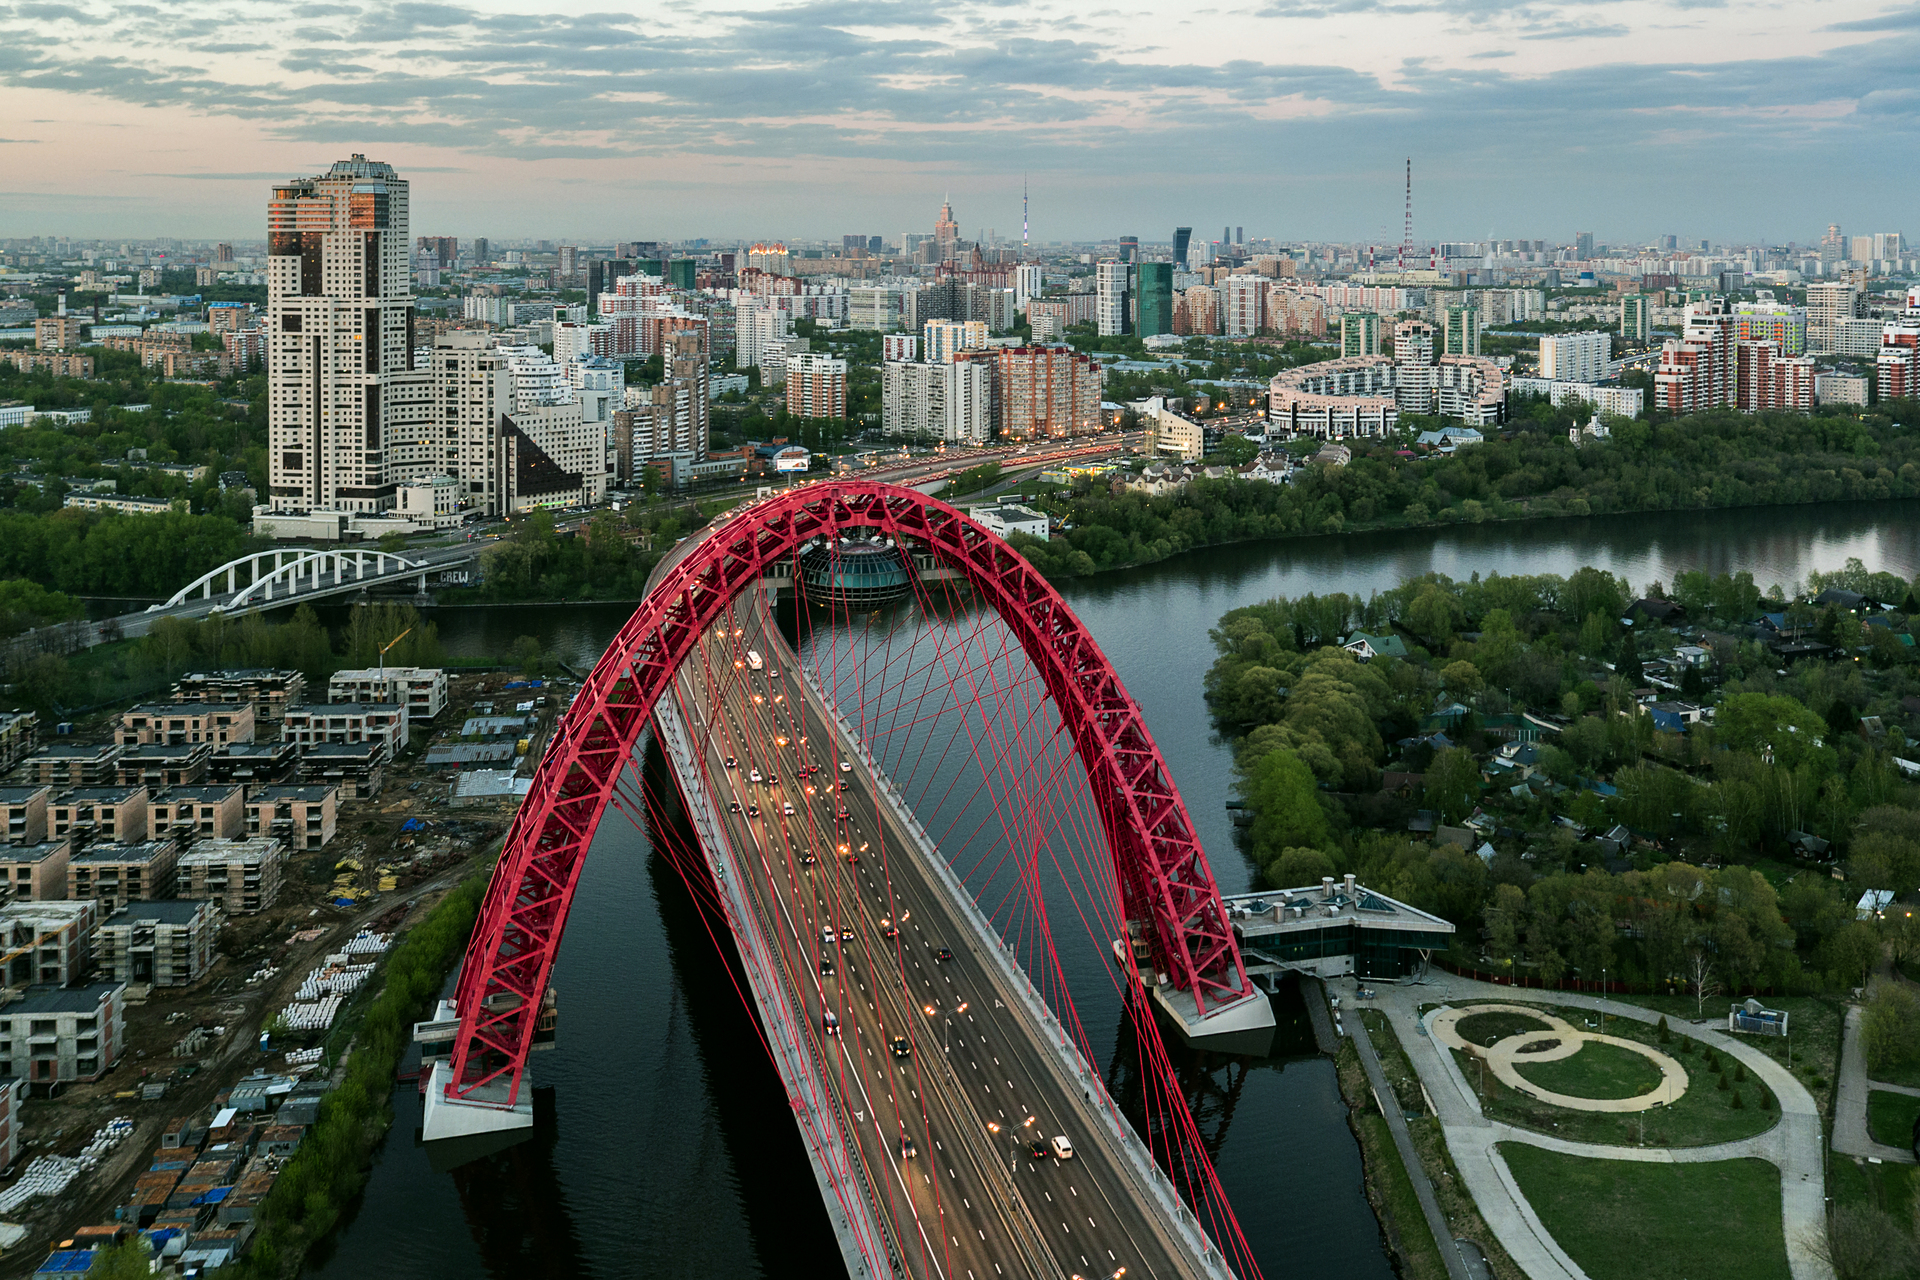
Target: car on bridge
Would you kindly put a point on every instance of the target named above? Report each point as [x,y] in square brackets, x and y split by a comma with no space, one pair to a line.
[786,807]
[830,1022]
[846,767]
[901,1048]
[907,1150]
[732,763]
[1038,1149]
[1062,1148]
[826,966]
[733,806]
[753,811]
[753,775]
[888,929]
[773,779]
[942,954]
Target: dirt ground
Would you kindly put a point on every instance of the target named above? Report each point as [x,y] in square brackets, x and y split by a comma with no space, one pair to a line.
[303,926]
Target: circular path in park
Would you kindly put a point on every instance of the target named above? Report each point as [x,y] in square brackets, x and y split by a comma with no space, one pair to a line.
[1505,1056]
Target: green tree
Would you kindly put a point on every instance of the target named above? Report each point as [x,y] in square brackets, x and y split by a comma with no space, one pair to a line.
[1299,866]
[1279,789]
[1452,783]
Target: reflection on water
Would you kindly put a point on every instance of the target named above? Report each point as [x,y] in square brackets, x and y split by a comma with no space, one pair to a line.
[674,1153]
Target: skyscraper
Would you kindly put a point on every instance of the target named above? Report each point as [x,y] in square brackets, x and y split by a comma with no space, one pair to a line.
[1153,298]
[340,325]
[1359,334]
[1182,237]
[946,232]
[1583,245]
[1111,310]
[1635,318]
[480,252]
[1129,249]
[1462,335]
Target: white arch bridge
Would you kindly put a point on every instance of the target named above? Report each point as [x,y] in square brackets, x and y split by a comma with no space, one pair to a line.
[286,572]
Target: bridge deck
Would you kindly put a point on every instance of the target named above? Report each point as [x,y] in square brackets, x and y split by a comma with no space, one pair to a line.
[970,1202]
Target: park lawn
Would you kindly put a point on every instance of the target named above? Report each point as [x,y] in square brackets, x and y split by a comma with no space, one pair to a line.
[1703,1115]
[1406,1223]
[1907,1073]
[1487,1028]
[1814,1020]
[1624,1220]
[1596,1071]
[1890,1117]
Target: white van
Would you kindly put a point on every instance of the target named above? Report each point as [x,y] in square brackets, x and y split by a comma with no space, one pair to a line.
[754,661]
[1062,1149]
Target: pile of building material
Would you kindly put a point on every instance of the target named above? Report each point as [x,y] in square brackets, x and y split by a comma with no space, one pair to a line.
[52,1175]
[303,1057]
[317,1003]
[368,943]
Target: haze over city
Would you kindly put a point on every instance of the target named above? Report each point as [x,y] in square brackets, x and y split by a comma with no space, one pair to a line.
[1291,117]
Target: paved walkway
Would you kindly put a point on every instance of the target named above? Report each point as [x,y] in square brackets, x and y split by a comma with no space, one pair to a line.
[1793,1145]
[1507,1056]
[1851,1137]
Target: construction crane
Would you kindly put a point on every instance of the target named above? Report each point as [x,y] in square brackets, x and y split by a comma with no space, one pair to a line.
[383,652]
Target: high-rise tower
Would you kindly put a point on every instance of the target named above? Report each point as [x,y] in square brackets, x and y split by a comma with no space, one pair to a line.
[340,338]
[946,231]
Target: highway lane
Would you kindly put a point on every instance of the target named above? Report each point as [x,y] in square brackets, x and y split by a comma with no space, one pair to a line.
[1085,1208]
[955,1228]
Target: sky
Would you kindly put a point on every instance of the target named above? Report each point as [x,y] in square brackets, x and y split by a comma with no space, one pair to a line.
[1736,122]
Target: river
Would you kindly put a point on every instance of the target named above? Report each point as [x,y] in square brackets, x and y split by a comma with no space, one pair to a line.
[673,1153]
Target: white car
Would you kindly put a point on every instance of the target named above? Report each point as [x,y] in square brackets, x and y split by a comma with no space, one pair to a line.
[754,776]
[786,807]
[846,767]
[1062,1149]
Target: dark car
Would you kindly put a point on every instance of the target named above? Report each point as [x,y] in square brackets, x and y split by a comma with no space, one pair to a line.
[826,966]
[888,929]
[844,813]
[753,811]
[907,1150]
[773,780]
[901,1049]
[845,785]
[942,954]
[807,859]
[1037,1148]
[846,935]
[732,763]
[830,1022]
[733,806]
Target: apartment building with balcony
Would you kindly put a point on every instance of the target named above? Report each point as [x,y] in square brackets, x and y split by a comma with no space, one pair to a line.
[75,764]
[101,813]
[162,944]
[355,768]
[239,876]
[421,690]
[155,765]
[218,809]
[23,812]
[267,691]
[175,723]
[54,1036]
[347,722]
[46,942]
[116,874]
[19,732]
[305,817]
[34,872]
[253,764]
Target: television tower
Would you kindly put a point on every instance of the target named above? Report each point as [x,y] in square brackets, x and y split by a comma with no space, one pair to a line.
[1406,235]
[1023,215]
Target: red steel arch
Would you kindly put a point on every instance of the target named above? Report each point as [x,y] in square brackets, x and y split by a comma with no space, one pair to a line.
[1163,874]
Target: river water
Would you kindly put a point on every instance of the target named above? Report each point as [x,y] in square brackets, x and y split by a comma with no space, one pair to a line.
[673,1153]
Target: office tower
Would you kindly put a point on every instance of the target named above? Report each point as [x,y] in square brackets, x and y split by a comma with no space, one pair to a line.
[1246,299]
[1359,334]
[1182,236]
[1888,246]
[943,339]
[1153,291]
[567,267]
[875,307]
[1583,245]
[816,386]
[1239,235]
[1575,357]
[1463,331]
[876,245]
[446,248]
[340,320]
[480,252]
[1636,323]
[946,232]
[1226,236]
[681,273]
[1129,249]
[223,253]
[1833,245]
[602,277]
[637,249]
[1669,243]
[1111,311]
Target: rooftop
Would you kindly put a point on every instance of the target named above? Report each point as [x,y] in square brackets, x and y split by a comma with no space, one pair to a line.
[220,852]
[210,792]
[20,795]
[267,795]
[102,795]
[74,750]
[1258,915]
[186,710]
[348,708]
[49,999]
[166,911]
[11,853]
[367,750]
[145,851]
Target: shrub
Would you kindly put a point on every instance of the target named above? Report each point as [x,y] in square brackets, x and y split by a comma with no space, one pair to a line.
[1723,1086]
[1740,1073]
[1738,1103]
[1766,1100]
[1665,1035]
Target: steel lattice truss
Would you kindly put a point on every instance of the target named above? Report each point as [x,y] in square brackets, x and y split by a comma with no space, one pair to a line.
[1164,878]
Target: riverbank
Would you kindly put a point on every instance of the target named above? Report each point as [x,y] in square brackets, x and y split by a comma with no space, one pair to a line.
[333,1164]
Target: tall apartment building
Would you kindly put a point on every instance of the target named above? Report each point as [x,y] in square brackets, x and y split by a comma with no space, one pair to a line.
[1775,322]
[1046,392]
[1830,309]
[1110,280]
[875,307]
[816,386]
[950,401]
[1360,334]
[1699,369]
[340,338]
[1029,282]
[1766,378]
[1897,363]
[675,418]
[1636,317]
[1461,336]
[1245,306]
[1575,357]
[944,339]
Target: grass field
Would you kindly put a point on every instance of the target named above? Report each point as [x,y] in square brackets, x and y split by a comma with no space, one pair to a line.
[1485,1028]
[1890,1117]
[1596,1071]
[1703,1115]
[1623,1220]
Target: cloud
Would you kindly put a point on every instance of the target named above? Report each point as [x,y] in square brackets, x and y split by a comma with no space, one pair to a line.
[1895,20]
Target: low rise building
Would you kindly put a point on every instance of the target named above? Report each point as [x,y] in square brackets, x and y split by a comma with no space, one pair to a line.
[24,812]
[219,809]
[253,764]
[305,817]
[54,1036]
[422,690]
[156,765]
[36,872]
[162,944]
[178,723]
[116,874]
[347,722]
[240,877]
[75,764]
[1335,929]
[102,813]
[269,692]
[19,733]
[1007,518]
[46,942]
[354,768]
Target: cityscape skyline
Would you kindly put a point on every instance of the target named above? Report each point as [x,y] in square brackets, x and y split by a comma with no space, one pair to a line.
[683,125]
